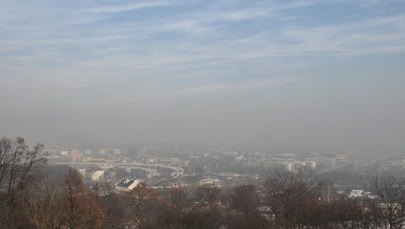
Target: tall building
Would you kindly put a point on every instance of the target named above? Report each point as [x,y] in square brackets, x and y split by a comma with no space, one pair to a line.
[102,151]
[75,156]
[116,151]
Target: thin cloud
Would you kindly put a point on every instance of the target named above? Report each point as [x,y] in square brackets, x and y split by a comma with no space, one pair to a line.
[202,40]
[357,38]
[245,14]
[133,6]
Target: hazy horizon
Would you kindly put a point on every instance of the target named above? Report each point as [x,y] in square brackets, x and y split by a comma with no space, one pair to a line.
[282,74]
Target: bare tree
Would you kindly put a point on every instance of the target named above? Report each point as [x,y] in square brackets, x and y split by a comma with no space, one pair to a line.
[245,198]
[139,203]
[388,208]
[174,205]
[244,212]
[42,204]
[20,167]
[114,210]
[181,211]
[208,193]
[289,195]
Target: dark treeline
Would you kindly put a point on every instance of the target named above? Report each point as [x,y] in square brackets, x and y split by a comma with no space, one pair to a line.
[30,198]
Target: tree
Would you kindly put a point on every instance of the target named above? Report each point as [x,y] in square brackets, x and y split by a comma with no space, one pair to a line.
[388,208]
[176,209]
[170,208]
[139,201]
[176,205]
[114,210]
[289,195]
[245,198]
[42,205]
[244,213]
[20,167]
[351,214]
[81,207]
[208,193]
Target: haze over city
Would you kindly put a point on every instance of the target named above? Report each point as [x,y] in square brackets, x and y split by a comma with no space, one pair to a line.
[275,74]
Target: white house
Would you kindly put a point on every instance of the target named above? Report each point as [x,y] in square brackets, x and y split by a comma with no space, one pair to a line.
[127,185]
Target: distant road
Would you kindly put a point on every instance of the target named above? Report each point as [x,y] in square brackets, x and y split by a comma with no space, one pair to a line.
[177,171]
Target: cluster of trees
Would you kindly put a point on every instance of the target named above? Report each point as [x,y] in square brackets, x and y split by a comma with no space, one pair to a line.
[29,198]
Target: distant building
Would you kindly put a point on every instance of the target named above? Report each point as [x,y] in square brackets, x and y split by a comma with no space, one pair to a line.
[356,194]
[303,165]
[127,185]
[75,156]
[102,151]
[88,152]
[82,172]
[327,162]
[251,164]
[116,151]
[207,181]
[97,175]
[289,166]
[64,153]
[142,152]
[310,165]
[96,159]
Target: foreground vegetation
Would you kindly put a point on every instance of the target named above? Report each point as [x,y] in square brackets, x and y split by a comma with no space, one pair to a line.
[32,198]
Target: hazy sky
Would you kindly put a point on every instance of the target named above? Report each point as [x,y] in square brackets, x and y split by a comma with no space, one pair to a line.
[299,74]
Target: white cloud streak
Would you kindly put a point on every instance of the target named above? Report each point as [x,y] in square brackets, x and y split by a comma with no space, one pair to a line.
[133,6]
[199,46]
